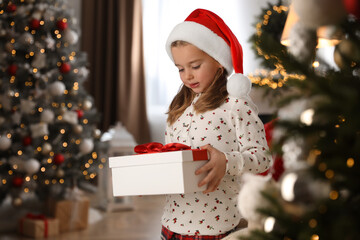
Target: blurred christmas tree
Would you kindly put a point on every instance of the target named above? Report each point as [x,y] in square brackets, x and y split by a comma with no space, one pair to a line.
[48,135]
[317,131]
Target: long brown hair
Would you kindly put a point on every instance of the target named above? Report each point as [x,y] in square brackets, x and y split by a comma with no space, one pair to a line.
[212,98]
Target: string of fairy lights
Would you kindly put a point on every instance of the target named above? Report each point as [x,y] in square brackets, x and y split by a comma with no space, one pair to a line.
[272,78]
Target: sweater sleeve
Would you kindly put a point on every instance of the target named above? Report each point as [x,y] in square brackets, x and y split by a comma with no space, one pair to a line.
[252,154]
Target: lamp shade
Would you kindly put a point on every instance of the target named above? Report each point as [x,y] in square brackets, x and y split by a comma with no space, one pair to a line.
[326,35]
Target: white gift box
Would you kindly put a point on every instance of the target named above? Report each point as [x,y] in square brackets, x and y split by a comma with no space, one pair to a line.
[158,173]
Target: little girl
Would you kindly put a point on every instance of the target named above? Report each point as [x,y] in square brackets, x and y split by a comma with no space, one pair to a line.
[213,113]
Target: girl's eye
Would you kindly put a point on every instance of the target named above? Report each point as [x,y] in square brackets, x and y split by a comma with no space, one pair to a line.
[181,70]
[196,67]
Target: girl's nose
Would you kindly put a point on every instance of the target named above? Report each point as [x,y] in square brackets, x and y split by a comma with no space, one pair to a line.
[188,75]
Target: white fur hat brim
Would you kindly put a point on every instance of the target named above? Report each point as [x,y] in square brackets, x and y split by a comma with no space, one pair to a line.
[204,39]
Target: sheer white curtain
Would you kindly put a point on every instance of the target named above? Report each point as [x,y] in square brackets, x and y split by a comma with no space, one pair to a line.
[159,18]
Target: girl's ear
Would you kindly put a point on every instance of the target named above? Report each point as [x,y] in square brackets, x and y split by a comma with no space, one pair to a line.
[221,70]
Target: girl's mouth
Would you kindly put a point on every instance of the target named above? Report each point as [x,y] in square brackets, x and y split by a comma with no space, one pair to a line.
[194,85]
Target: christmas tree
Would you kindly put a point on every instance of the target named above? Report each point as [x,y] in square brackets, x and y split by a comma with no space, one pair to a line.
[317,124]
[48,136]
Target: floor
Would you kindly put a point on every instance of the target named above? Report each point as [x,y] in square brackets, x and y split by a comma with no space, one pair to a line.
[141,223]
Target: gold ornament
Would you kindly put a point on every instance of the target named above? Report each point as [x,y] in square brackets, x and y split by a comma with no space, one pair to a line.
[46,148]
[87,105]
[60,173]
[347,54]
[17,202]
[78,128]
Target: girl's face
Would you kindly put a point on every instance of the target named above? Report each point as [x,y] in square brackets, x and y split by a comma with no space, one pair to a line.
[196,68]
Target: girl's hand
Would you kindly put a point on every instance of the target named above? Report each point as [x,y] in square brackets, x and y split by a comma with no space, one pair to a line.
[216,168]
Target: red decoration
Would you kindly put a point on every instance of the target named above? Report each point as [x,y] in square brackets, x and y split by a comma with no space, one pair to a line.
[65,68]
[12,69]
[277,168]
[17,181]
[61,24]
[58,158]
[27,141]
[35,24]
[80,113]
[11,8]
[352,7]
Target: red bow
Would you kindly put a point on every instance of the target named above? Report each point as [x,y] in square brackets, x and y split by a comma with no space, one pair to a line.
[36,217]
[155,147]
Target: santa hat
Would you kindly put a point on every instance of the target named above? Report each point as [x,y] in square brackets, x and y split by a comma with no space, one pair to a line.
[208,32]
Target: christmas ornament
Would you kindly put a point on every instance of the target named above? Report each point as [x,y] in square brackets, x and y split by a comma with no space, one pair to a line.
[86,146]
[60,173]
[87,105]
[302,43]
[16,202]
[70,117]
[39,61]
[97,133]
[61,24]
[17,181]
[5,143]
[346,53]
[352,7]
[57,88]
[58,159]
[65,68]
[46,148]
[80,113]
[314,14]
[11,8]
[27,106]
[12,69]
[31,166]
[47,116]
[70,36]
[50,42]
[300,187]
[26,39]
[27,141]
[34,24]
[83,72]
[78,129]
[39,130]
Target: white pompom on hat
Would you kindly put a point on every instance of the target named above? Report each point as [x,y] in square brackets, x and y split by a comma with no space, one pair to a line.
[208,32]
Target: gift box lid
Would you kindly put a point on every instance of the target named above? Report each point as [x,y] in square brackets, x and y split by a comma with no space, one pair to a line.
[159,158]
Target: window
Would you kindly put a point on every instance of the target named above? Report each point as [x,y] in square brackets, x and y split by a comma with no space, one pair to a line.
[159,18]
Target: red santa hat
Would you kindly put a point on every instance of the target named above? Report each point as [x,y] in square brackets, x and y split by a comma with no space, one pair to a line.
[208,32]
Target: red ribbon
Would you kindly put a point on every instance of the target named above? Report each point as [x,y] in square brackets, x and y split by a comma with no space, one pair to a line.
[155,147]
[36,217]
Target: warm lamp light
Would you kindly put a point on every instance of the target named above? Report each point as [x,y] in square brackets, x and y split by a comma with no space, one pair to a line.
[322,32]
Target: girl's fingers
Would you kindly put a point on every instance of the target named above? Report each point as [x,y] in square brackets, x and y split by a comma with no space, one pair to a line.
[209,177]
[207,167]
